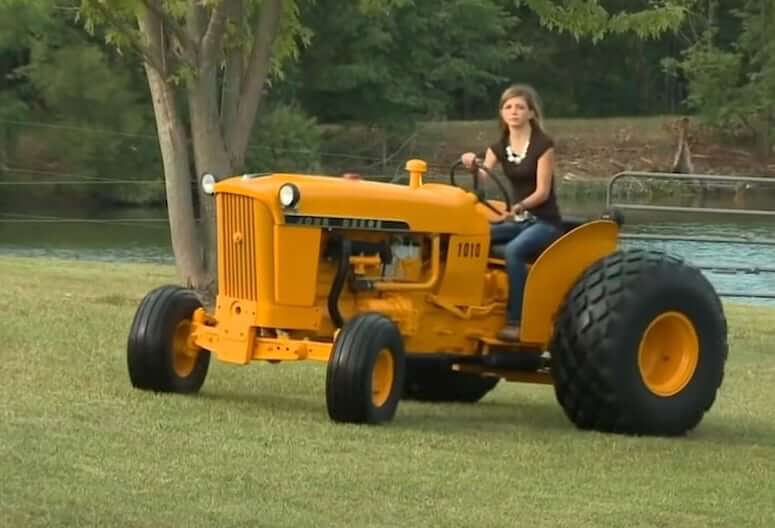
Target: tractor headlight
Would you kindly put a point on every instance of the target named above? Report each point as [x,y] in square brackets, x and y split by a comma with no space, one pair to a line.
[208,184]
[289,195]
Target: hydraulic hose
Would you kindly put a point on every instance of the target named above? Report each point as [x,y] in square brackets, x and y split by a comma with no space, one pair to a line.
[343,267]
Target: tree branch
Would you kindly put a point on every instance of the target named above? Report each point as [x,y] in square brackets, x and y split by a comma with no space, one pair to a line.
[195,21]
[148,53]
[257,70]
[214,34]
[189,47]
[232,79]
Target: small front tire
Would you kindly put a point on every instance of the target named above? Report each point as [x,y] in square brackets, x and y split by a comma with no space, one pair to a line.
[365,373]
[160,355]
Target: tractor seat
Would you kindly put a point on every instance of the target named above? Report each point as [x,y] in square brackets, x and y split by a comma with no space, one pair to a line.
[569,223]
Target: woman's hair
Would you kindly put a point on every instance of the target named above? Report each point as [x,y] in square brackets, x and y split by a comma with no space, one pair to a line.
[530,96]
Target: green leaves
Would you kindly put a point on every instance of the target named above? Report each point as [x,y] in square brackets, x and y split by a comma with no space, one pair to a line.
[411,57]
[588,18]
[732,82]
[21,20]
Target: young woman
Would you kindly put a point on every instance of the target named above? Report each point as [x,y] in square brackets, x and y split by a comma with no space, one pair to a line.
[526,155]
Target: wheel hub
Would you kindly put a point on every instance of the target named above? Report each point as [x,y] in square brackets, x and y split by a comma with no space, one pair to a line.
[185,353]
[382,377]
[668,354]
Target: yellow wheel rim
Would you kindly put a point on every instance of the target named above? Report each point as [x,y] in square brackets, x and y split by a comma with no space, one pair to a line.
[184,352]
[668,354]
[382,377]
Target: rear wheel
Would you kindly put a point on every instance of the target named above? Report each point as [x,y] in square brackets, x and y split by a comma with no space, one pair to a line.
[640,346]
[366,371]
[160,354]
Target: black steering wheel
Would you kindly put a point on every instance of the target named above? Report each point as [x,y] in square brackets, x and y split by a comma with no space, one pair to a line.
[475,176]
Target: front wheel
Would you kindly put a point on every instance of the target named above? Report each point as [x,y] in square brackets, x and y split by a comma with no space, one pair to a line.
[640,346]
[160,354]
[366,371]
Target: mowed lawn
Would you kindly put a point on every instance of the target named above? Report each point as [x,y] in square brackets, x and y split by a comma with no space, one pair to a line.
[80,447]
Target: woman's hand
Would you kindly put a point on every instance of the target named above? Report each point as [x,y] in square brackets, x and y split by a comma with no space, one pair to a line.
[500,217]
[468,160]
[518,208]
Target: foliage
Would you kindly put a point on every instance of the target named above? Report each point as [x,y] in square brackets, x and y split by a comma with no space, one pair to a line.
[412,59]
[451,59]
[732,84]
[285,139]
[589,18]
[95,119]
[375,62]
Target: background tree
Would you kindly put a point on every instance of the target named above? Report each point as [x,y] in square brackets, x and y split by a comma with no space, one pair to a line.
[730,68]
[207,64]
[19,21]
[73,91]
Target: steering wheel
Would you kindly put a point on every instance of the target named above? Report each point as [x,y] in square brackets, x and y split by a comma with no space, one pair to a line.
[474,175]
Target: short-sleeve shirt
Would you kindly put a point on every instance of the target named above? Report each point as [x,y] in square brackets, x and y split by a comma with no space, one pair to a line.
[523,176]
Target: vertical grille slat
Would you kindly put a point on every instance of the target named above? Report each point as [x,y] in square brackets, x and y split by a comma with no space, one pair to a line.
[239,247]
[250,246]
[243,273]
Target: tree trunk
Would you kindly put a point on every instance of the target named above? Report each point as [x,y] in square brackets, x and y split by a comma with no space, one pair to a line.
[212,128]
[210,156]
[765,132]
[765,144]
[252,87]
[176,161]
[4,149]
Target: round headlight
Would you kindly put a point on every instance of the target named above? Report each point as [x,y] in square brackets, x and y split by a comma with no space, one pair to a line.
[289,195]
[208,184]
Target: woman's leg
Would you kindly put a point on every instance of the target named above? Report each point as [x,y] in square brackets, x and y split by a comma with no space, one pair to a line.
[504,232]
[531,241]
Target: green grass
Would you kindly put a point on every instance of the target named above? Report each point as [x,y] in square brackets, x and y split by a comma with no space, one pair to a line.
[80,447]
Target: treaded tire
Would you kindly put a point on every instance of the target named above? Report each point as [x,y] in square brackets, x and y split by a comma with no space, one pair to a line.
[150,350]
[349,383]
[437,383]
[595,351]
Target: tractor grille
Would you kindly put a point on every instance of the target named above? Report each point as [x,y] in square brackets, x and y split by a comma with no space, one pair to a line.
[237,234]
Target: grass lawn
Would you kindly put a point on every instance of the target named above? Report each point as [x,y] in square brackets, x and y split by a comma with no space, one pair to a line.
[80,447]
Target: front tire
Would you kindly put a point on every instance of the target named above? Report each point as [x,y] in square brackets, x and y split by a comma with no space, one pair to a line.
[640,346]
[160,356]
[365,373]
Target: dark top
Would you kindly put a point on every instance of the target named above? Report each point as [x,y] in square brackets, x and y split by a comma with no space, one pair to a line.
[524,174]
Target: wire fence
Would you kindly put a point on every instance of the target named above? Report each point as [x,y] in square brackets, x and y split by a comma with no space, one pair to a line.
[385,166]
[615,200]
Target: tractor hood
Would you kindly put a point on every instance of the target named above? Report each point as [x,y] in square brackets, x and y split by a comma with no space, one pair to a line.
[357,204]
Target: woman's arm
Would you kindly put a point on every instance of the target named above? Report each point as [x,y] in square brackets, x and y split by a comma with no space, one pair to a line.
[490,160]
[543,183]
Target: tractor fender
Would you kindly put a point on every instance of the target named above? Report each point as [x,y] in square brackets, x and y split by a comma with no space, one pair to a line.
[557,270]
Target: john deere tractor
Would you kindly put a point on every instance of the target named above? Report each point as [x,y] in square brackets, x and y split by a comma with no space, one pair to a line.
[398,289]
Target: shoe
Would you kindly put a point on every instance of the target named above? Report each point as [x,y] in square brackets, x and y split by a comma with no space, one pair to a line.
[508,333]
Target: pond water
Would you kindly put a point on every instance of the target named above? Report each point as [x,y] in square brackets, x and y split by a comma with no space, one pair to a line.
[142,235]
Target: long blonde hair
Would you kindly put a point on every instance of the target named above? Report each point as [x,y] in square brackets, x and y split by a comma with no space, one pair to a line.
[530,96]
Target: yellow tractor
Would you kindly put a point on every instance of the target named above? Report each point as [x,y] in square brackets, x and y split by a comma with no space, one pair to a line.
[398,289]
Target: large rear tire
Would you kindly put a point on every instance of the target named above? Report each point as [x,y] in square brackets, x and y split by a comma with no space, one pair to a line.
[160,355]
[640,346]
[365,373]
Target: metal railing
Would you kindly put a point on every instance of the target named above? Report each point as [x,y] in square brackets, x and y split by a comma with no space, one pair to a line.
[701,179]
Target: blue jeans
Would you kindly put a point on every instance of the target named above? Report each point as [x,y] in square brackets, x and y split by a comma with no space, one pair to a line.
[524,240]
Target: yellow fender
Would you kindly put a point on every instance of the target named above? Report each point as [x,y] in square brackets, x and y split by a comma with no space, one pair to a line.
[557,270]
